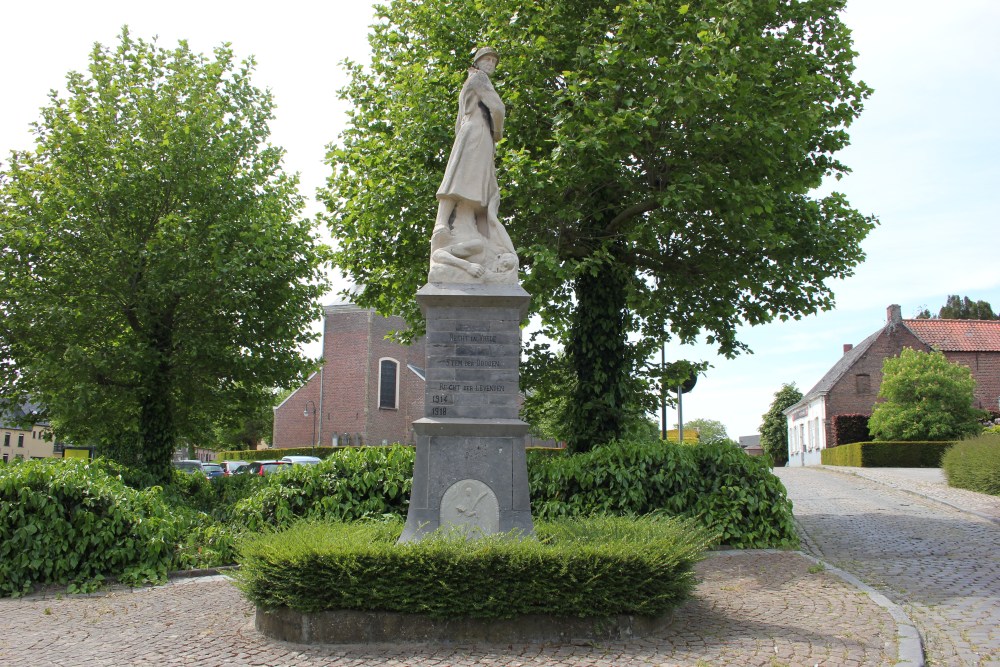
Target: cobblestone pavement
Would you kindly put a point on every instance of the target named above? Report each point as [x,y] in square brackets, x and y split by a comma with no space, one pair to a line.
[941,564]
[771,609]
[930,483]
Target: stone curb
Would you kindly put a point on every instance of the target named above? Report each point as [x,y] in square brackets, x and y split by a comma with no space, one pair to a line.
[914,492]
[173,578]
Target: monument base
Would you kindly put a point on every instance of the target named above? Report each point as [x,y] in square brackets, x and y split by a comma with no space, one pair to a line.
[367,627]
[470,470]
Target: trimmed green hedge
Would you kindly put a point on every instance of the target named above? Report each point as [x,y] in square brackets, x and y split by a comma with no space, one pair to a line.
[902,454]
[974,464]
[594,567]
[75,523]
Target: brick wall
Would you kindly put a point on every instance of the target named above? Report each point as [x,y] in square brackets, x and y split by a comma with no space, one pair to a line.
[985,367]
[345,391]
[291,427]
[850,395]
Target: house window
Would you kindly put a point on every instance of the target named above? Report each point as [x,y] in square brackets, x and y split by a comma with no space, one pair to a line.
[6,439]
[20,440]
[388,384]
[863,383]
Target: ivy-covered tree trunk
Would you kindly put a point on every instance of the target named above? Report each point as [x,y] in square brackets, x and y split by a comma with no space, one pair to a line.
[157,431]
[599,355]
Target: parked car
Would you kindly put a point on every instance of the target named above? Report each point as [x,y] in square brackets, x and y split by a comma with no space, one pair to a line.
[195,467]
[188,465]
[212,470]
[262,467]
[229,467]
[301,460]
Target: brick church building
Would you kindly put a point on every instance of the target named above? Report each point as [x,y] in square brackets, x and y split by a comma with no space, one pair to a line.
[852,384]
[368,391]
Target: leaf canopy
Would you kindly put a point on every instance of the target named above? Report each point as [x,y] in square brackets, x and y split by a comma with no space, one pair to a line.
[153,262]
[690,135]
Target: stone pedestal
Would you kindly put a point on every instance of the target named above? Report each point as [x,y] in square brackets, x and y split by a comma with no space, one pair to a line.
[470,468]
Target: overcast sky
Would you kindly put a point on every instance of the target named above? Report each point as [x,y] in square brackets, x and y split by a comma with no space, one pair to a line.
[924,152]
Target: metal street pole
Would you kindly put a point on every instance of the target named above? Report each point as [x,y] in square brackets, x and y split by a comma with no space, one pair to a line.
[305,413]
[680,414]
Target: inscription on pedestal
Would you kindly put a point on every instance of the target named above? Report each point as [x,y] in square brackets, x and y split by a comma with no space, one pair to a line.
[472,374]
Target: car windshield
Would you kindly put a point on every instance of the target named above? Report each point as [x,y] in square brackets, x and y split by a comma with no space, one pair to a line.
[211,467]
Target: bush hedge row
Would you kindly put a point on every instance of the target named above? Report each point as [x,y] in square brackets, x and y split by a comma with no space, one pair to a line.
[732,494]
[889,454]
[356,483]
[974,464]
[593,567]
[76,523]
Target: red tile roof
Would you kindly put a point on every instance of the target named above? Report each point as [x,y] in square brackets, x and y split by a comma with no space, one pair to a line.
[957,335]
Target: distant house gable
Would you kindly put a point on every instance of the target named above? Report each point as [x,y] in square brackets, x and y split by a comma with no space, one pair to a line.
[851,386]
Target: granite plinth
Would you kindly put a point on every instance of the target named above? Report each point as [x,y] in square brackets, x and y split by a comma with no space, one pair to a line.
[470,440]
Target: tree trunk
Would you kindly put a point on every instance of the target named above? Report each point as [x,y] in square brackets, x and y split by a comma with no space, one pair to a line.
[156,415]
[599,354]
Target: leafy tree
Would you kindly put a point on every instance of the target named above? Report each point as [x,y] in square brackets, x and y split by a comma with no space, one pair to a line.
[964,308]
[774,427]
[960,308]
[709,430]
[656,171]
[154,279]
[926,397]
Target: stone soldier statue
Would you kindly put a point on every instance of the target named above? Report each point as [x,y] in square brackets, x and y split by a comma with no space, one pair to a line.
[469,244]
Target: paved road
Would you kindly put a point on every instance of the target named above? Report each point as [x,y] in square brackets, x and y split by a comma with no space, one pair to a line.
[941,564]
[769,609]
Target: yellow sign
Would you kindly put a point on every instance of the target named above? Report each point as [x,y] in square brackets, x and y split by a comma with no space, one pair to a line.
[76,453]
[690,435]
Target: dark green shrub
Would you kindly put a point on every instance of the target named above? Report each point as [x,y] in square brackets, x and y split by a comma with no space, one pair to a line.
[734,495]
[586,568]
[850,428]
[974,464]
[906,454]
[356,483]
[71,522]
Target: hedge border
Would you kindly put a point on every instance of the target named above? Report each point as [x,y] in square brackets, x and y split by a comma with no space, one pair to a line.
[887,454]
[598,567]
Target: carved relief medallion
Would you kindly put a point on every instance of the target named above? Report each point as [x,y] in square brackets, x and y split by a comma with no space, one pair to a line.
[472,505]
